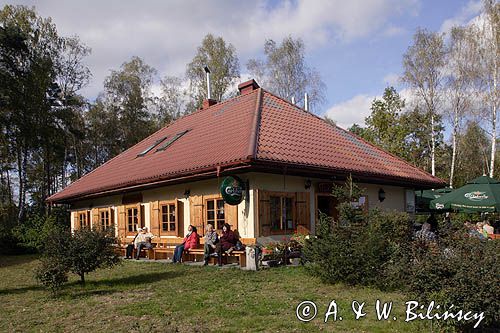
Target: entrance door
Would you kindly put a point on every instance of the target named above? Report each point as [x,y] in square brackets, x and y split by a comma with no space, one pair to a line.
[326,204]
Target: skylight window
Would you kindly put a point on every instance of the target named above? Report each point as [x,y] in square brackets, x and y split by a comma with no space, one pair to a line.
[171,141]
[147,150]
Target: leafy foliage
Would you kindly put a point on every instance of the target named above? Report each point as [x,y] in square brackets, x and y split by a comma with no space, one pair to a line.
[52,274]
[459,270]
[223,63]
[358,254]
[80,252]
[285,72]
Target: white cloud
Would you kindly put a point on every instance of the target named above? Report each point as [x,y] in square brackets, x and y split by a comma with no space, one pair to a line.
[352,111]
[466,14]
[393,31]
[391,79]
[166,33]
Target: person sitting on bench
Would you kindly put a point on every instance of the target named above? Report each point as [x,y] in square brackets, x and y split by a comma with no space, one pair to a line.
[211,239]
[132,245]
[227,242]
[191,241]
[144,241]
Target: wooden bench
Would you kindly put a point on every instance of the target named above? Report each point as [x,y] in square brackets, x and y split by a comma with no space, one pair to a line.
[165,245]
[239,255]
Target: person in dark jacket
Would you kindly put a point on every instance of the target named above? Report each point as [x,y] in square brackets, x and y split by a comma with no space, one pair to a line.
[226,243]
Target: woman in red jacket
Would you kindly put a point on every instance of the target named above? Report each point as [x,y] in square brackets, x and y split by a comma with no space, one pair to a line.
[191,241]
[226,241]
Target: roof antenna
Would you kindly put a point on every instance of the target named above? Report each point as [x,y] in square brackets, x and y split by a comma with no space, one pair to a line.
[306,102]
[209,93]
[293,100]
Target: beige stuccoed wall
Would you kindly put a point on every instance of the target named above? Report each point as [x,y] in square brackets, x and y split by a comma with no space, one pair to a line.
[206,187]
[247,224]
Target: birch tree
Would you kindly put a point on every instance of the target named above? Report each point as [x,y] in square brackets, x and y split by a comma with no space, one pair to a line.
[221,59]
[487,35]
[461,67]
[285,72]
[423,72]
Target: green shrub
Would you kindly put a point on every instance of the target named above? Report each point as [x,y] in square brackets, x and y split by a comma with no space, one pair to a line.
[52,274]
[462,271]
[360,253]
[90,250]
[32,233]
[80,252]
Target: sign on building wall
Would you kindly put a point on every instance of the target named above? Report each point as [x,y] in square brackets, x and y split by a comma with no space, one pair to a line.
[232,189]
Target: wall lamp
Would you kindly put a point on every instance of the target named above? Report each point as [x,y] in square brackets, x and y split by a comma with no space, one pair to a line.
[381,195]
[187,193]
[307,184]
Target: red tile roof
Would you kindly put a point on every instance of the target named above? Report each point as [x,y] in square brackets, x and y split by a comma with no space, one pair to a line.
[251,128]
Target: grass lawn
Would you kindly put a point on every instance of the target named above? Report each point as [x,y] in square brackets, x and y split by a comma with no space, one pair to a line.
[159,297]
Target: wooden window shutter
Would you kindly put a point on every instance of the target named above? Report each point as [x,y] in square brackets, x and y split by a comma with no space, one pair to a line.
[96,223]
[196,212]
[303,212]
[180,218]
[111,217]
[264,213]
[155,218]
[122,222]
[76,221]
[231,215]
[140,216]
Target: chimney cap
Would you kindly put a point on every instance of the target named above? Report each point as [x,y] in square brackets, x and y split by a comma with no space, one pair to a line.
[248,86]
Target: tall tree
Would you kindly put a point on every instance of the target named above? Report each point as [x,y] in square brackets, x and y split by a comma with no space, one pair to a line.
[384,123]
[223,63]
[128,97]
[487,37]
[461,67]
[38,113]
[285,72]
[172,100]
[419,143]
[473,151]
[423,65]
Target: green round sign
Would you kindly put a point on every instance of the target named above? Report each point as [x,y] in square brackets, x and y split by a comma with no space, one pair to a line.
[232,189]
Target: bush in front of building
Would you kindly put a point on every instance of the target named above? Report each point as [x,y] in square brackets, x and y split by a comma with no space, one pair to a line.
[360,253]
[456,269]
[461,271]
[80,252]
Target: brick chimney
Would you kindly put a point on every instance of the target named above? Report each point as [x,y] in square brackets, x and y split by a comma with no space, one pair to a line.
[208,103]
[248,86]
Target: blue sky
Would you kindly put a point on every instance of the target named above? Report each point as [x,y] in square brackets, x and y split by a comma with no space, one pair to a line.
[356,45]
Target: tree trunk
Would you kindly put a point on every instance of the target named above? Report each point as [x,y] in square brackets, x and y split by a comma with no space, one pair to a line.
[433,147]
[493,138]
[22,156]
[63,171]
[82,278]
[454,147]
